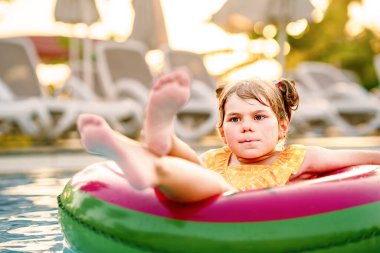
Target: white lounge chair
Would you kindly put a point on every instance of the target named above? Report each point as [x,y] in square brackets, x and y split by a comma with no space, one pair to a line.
[29,114]
[352,101]
[199,117]
[19,74]
[317,115]
[123,71]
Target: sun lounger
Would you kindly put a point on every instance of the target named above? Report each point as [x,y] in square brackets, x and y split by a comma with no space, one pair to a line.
[316,115]
[19,74]
[200,115]
[357,106]
[29,114]
[123,71]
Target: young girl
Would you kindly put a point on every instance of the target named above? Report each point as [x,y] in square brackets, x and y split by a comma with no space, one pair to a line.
[254,119]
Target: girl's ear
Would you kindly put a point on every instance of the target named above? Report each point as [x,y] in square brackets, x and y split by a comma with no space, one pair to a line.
[283,129]
[221,134]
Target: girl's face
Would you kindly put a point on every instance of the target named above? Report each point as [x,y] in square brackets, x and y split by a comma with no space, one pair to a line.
[250,129]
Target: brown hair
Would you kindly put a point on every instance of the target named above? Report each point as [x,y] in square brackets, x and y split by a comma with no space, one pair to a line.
[282,97]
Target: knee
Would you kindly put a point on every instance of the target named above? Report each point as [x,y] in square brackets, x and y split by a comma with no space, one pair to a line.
[167,167]
[162,166]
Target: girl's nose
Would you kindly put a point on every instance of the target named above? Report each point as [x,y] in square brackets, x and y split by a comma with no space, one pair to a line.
[246,126]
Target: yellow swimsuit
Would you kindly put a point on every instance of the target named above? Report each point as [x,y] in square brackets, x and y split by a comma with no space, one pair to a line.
[247,176]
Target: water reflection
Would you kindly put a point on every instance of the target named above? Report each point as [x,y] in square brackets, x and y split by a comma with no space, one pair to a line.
[28,212]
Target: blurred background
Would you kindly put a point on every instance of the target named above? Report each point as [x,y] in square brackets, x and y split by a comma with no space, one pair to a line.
[101,56]
[60,58]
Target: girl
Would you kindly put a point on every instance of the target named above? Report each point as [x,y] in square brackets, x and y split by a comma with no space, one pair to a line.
[254,120]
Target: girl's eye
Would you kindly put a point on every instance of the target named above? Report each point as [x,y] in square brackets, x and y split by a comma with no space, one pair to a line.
[259,117]
[234,119]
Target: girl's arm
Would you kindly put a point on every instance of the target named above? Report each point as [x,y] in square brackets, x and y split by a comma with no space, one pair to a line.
[318,159]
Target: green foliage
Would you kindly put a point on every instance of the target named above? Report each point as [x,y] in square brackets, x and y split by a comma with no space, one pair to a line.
[327,42]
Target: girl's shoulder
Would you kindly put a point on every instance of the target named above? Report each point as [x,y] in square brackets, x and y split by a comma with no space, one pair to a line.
[292,156]
[294,148]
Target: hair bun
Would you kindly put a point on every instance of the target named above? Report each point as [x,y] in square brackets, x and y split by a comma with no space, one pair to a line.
[289,94]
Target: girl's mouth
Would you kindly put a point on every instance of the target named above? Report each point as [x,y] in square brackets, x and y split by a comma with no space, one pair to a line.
[248,141]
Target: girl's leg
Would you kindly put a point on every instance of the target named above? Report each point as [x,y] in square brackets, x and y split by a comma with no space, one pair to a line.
[169,93]
[98,138]
[180,180]
[183,181]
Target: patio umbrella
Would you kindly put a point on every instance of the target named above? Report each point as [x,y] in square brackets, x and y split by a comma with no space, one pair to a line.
[241,15]
[75,12]
[149,24]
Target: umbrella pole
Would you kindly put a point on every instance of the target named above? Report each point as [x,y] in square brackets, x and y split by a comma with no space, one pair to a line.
[73,55]
[281,41]
[87,61]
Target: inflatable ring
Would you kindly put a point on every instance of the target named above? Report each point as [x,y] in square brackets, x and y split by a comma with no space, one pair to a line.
[100,212]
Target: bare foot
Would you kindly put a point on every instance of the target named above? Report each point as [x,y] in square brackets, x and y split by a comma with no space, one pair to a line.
[169,93]
[98,138]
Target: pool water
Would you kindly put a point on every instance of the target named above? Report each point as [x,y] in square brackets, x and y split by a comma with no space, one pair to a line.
[28,212]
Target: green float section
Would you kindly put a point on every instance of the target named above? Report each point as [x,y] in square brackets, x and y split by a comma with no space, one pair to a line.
[91,225]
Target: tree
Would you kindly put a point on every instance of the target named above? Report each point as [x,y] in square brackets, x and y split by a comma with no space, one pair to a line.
[328,42]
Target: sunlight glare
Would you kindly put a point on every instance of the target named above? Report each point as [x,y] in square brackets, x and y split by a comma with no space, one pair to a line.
[117,17]
[4,6]
[296,28]
[353,28]
[156,60]
[320,4]
[240,22]
[268,47]
[356,12]
[265,69]
[189,27]
[53,74]
[286,48]
[372,8]
[320,7]
[219,63]
[256,46]
[365,14]
[20,19]
[269,31]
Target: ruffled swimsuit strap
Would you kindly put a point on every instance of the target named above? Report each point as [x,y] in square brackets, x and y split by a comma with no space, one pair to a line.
[217,159]
[288,162]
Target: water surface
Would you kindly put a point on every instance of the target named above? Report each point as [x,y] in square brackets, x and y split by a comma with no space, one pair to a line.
[28,211]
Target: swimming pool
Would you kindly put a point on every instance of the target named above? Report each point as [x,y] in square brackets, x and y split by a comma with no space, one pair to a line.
[28,211]
[28,201]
